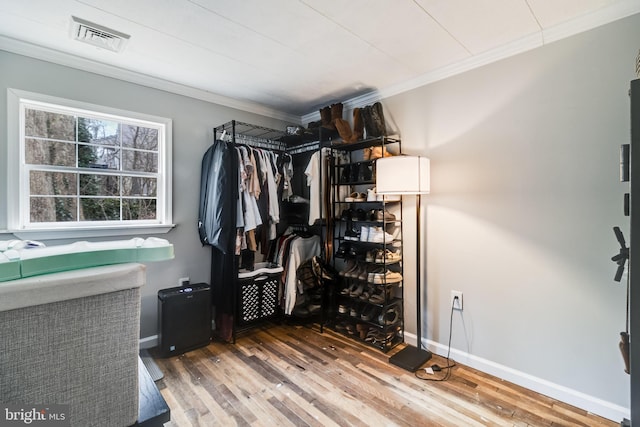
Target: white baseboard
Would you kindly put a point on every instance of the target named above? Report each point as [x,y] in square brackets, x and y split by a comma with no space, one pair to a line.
[578,399]
[148,342]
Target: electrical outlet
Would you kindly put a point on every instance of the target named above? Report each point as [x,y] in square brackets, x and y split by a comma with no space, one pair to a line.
[183,281]
[456,303]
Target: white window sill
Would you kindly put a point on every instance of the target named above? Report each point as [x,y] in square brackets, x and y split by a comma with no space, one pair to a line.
[83,233]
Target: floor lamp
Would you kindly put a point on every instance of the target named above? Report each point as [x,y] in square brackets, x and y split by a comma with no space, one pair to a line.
[407,175]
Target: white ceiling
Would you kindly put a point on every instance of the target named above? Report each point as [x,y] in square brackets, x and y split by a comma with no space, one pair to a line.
[295,56]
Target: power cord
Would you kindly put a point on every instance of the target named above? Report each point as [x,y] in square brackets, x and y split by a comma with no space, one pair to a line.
[437,368]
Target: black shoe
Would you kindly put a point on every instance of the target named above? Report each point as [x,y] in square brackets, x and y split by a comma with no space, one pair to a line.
[355,172]
[352,234]
[347,214]
[343,250]
[346,174]
[300,311]
[314,308]
[366,174]
[353,252]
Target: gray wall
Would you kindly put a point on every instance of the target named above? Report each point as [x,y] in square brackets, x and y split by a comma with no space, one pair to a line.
[524,194]
[193,121]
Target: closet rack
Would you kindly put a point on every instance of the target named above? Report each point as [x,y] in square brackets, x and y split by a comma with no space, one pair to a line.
[253,135]
[256,136]
[273,139]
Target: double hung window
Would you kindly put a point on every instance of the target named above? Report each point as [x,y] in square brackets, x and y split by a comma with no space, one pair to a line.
[86,166]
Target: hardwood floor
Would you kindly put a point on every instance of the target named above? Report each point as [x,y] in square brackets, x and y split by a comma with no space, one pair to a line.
[294,376]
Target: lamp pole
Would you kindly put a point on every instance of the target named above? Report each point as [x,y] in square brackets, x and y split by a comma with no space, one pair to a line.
[411,358]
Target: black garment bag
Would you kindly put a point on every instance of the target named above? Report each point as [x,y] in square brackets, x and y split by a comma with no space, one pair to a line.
[219,197]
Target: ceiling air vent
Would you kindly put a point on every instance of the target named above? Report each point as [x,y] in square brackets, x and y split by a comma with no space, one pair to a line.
[97,35]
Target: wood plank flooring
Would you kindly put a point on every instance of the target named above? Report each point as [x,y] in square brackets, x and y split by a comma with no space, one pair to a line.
[287,375]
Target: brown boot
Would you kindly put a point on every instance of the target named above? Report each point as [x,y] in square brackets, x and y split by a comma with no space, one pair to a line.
[325,117]
[344,130]
[377,116]
[378,152]
[336,112]
[365,114]
[358,125]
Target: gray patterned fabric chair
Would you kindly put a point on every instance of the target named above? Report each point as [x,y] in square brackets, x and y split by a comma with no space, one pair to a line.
[72,338]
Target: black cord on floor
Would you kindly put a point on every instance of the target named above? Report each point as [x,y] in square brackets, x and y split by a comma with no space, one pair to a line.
[447,368]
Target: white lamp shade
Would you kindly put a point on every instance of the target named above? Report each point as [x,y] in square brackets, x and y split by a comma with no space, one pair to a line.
[402,175]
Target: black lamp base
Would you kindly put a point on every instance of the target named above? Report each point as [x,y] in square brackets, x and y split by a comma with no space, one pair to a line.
[410,358]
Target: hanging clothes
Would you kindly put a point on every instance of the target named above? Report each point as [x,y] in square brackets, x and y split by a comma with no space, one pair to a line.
[251,213]
[286,167]
[254,181]
[290,250]
[315,170]
[217,227]
[262,233]
[300,250]
[262,184]
[312,173]
[272,186]
[218,197]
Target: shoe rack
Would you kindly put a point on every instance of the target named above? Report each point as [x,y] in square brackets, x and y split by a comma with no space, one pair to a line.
[367,304]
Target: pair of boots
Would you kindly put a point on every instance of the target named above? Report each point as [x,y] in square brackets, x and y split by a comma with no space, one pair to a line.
[329,115]
[344,130]
[369,119]
[357,172]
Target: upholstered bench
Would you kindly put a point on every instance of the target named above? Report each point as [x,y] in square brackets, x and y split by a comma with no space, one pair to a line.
[72,338]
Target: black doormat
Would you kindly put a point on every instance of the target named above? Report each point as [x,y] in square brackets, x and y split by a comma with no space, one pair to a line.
[153,369]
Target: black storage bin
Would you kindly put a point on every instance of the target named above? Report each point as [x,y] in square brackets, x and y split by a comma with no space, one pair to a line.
[184,318]
[258,294]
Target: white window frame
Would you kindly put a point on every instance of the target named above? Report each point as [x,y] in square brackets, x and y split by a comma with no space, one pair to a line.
[17,179]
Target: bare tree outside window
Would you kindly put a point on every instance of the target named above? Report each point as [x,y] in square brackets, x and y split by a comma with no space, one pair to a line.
[92,169]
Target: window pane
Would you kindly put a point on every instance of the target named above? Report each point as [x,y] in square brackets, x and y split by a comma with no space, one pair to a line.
[52,209]
[139,161]
[99,185]
[98,157]
[43,152]
[49,125]
[97,209]
[139,137]
[133,209]
[52,183]
[145,187]
[85,164]
[97,131]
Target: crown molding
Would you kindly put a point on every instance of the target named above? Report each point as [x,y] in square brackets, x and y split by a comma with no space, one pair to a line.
[561,31]
[66,59]
[591,20]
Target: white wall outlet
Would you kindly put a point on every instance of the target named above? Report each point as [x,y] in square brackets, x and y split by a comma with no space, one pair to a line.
[456,303]
[183,281]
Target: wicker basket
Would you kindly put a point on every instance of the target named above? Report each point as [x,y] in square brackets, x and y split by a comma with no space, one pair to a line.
[258,293]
